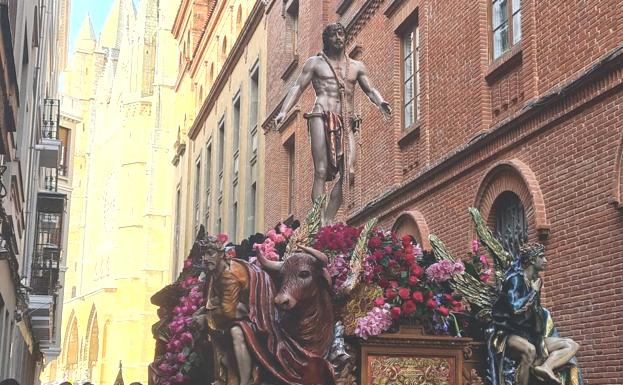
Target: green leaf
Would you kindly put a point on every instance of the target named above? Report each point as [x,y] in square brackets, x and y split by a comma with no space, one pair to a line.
[403,274]
[471,270]
[186,351]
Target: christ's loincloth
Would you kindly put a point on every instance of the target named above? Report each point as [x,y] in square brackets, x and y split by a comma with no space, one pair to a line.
[334,140]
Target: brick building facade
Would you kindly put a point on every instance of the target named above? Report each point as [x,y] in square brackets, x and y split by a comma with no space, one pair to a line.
[512,107]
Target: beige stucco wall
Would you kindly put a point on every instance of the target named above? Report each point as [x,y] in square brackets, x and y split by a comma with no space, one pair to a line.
[196,86]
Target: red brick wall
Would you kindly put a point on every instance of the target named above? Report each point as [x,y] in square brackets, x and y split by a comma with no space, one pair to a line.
[476,114]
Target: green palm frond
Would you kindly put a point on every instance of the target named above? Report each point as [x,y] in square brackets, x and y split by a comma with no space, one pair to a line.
[502,259]
[357,257]
[306,233]
[475,291]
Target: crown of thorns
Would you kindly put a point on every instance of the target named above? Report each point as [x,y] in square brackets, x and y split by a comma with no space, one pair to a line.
[529,251]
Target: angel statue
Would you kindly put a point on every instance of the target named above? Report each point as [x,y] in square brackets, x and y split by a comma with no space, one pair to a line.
[523,346]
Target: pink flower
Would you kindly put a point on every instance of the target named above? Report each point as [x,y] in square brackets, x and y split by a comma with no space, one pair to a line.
[485,275]
[275,237]
[374,323]
[272,256]
[459,268]
[222,237]
[483,259]
[444,270]
[181,358]
[475,246]
[418,250]
[285,230]
[379,301]
[443,311]
[188,263]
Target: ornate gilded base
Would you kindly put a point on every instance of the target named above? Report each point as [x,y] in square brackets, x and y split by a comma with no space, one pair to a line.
[411,358]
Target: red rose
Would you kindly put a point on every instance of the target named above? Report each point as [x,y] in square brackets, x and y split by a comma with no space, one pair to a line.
[412,280]
[448,297]
[456,305]
[395,312]
[377,255]
[418,297]
[399,254]
[443,311]
[374,242]
[431,304]
[417,270]
[406,240]
[379,301]
[393,284]
[409,258]
[387,249]
[384,283]
[404,293]
[389,294]
[409,307]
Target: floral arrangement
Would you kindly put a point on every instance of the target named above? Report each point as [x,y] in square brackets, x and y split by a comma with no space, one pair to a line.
[181,355]
[415,287]
[274,245]
[337,242]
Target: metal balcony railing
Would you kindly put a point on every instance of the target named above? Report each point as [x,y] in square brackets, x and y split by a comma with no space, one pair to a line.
[51,118]
[49,179]
[47,254]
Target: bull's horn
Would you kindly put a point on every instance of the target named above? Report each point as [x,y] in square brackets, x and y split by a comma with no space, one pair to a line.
[269,265]
[322,257]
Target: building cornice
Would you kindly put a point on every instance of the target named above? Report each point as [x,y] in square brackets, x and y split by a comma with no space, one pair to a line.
[232,59]
[180,17]
[206,37]
[358,20]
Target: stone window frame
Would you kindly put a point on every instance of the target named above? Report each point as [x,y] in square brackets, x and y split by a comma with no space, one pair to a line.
[515,176]
[511,36]
[617,183]
[410,27]
[418,224]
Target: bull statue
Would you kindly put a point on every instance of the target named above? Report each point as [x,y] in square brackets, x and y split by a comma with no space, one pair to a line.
[262,338]
[305,298]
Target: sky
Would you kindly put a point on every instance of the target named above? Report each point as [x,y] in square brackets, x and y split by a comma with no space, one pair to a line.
[98,9]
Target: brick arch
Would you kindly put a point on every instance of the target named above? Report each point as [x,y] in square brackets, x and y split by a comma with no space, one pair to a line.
[413,223]
[515,176]
[617,185]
